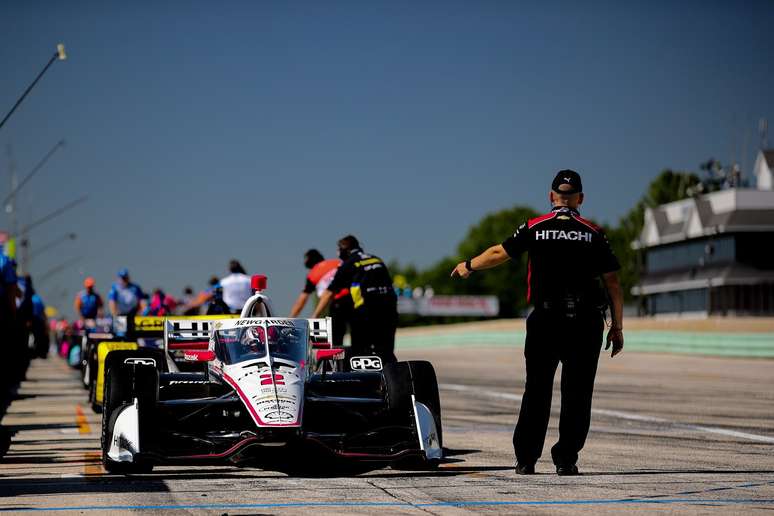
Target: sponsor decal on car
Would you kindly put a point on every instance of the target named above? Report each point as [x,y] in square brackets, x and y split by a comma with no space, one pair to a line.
[140,361]
[366,363]
[149,323]
[269,322]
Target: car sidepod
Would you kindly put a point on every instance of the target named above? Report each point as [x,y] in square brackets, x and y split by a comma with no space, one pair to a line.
[385,416]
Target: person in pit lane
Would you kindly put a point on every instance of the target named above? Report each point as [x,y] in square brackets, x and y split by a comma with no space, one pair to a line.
[217,306]
[193,306]
[281,341]
[321,273]
[32,313]
[160,304]
[237,287]
[375,313]
[125,297]
[186,301]
[572,278]
[88,303]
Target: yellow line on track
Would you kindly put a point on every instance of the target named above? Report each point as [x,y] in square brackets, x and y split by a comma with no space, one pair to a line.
[92,463]
[80,420]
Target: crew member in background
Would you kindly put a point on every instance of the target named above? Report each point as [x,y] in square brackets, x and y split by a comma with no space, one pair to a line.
[125,297]
[567,256]
[88,304]
[160,304]
[216,305]
[321,273]
[8,293]
[10,343]
[32,313]
[193,307]
[375,313]
[236,287]
[186,302]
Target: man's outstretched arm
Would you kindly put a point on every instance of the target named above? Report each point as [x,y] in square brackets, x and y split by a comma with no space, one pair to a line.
[492,257]
[325,299]
[299,304]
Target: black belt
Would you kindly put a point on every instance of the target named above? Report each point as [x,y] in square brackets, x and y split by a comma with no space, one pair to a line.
[567,308]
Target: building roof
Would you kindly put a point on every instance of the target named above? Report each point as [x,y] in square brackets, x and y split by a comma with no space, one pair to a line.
[702,277]
[734,210]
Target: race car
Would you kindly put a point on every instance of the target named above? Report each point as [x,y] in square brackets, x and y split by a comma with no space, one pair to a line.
[273,393]
[147,333]
[90,332]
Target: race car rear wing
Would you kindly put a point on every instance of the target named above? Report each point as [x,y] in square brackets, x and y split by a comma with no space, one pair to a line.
[139,325]
[187,334]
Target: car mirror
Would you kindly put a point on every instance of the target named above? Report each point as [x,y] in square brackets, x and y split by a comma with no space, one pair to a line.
[330,354]
[258,282]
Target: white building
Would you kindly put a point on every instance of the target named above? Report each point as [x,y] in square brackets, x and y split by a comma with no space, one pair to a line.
[712,254]
[764,170]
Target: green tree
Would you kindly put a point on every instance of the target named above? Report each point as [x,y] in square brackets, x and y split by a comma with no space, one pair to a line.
[508,282]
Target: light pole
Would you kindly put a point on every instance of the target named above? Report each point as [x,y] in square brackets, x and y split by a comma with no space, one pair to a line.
[55,213]
[60,55]
[24,244]
[12,194]
[42,249]
[59,268]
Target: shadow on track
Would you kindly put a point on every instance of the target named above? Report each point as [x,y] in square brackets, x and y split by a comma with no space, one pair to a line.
[97,484]
[680,471]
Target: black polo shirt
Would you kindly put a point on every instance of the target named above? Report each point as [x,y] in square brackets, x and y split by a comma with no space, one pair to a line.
[367,278]
[567,255]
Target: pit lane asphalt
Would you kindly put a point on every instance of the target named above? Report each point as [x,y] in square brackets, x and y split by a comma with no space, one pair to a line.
[669,433]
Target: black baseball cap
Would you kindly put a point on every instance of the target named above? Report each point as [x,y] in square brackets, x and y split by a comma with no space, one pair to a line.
[567,182]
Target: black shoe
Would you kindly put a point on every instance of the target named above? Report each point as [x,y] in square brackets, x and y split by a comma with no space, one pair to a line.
[567,470]
[525,469]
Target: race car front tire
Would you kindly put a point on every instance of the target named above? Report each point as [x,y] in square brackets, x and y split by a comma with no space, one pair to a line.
[403,379]
[125,383]
[426,390]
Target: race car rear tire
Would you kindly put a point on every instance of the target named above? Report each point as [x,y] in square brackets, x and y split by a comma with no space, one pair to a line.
[123,384]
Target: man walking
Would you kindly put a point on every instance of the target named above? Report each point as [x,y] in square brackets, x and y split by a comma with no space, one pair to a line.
[567,256]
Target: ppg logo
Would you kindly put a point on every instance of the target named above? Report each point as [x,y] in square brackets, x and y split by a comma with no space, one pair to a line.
[366,363]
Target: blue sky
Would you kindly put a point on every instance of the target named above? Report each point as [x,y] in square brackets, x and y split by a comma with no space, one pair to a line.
[208,130]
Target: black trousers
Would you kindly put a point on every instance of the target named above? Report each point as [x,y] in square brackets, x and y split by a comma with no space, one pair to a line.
[576,343]
[341,313]
[372,330]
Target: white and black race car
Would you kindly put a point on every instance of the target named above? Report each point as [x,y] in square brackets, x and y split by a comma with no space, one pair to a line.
[269,392]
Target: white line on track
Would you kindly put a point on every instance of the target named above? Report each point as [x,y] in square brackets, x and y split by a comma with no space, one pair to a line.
[615,413]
